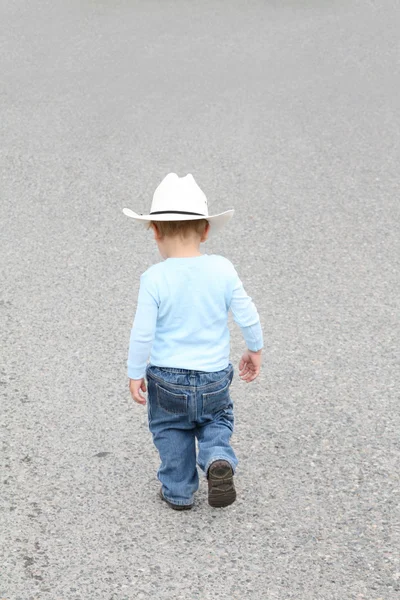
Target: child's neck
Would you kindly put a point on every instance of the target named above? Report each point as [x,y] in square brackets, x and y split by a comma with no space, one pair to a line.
[176,247]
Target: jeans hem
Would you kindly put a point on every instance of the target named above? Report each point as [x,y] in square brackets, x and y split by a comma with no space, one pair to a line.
[177,501]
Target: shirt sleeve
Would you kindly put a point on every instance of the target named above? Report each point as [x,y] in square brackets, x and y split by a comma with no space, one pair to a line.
[143,328]
[246,316]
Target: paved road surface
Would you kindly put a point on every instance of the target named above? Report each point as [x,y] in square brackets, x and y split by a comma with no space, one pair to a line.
[289,112]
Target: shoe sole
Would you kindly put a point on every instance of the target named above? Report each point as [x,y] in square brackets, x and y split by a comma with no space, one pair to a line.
[221,489]
[174,506]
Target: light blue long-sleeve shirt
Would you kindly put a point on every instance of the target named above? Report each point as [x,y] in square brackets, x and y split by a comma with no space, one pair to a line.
[181,318]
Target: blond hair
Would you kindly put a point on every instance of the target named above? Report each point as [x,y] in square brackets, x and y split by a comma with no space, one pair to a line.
[180,228]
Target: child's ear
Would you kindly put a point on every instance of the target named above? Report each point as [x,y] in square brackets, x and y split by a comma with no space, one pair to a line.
[206,232]
[157,235]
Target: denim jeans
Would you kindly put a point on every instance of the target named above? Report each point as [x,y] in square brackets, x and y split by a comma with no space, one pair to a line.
[184,406]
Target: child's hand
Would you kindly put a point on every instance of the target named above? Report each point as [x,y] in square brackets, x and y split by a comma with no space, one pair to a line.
[135,385]
[250,365]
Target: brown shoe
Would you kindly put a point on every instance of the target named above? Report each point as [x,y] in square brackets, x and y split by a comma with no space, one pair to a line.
[174,506]
[221,490]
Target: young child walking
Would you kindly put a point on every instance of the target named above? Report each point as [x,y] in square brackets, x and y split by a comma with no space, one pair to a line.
[181,324]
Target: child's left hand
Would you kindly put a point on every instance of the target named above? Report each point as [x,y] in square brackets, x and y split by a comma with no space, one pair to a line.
[135,385]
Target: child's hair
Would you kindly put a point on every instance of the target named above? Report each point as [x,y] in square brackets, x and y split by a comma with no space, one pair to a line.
[181,228]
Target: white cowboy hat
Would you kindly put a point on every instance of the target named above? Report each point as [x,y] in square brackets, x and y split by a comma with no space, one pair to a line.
[180,199]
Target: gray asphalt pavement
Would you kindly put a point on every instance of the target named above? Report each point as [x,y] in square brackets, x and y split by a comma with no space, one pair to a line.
[288,112]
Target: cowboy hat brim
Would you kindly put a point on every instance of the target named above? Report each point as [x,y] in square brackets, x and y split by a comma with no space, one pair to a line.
[216,221]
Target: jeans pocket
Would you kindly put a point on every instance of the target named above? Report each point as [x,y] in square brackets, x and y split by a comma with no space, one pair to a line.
[216,401]
[175,404]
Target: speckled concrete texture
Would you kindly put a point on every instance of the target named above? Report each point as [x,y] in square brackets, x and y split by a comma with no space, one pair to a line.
[289,112]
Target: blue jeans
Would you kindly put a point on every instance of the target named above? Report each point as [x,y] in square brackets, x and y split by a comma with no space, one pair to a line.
[182,406]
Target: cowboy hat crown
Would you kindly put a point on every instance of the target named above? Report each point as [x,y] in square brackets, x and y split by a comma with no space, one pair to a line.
[179,195]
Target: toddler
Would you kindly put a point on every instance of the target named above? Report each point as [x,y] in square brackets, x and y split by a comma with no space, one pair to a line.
[181,323]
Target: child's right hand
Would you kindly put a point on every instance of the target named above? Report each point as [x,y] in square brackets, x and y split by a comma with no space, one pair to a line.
[135,386]
[250,365]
